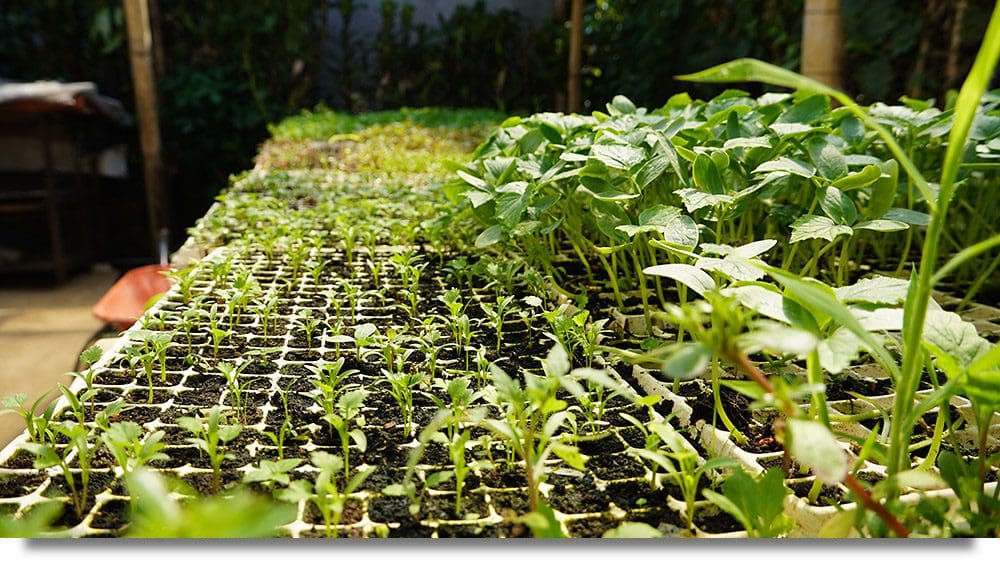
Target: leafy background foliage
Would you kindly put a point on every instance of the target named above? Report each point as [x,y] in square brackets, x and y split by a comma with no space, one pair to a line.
[229,69]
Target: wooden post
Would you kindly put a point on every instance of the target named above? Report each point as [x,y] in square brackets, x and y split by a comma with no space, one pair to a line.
[144,84]
[822,41]
[574,83]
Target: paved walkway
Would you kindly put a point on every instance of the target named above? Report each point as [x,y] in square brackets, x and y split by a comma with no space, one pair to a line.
[42,331]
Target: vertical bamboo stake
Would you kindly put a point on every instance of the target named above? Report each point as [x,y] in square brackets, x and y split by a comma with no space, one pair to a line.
[574,82]
[144,83]
[822,40]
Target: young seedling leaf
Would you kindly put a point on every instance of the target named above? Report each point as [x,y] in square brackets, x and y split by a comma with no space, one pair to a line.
[813,226]
[787,165]
[837,205]
[687,362]
[880,290]
[633,530]
[814,446]
[696,279]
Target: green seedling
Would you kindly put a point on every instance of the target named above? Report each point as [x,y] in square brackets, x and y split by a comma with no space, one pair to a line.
[131,447]
[498,313]
[89,357]
[757,503]
[347,420]
[37,420]
[326,494]
[401,387]
[265,312]
[331,382]
[159,513]
[309,324]
[80,449]
[210,435]
[272,474]
[237,386]
[533,416]
[681,464]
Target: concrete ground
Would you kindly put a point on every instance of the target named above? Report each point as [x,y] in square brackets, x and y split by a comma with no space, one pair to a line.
[43,328]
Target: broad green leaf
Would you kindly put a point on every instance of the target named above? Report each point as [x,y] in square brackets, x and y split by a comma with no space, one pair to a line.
[820,299]
[688,362]
[474,181]
[756,248]
[779,339]
[364,330]
[852,129]
[674,226]
[808,110]
[604,190]
[622,157]
[748,143]
[706,175]
[694,278]
[983,389]
[695,199]
[760,299]
[652,169]
[530,141]
[829,160]
[882,225]
[478,198]
[490,236]
[907,216]
[783,130]
[880,318]
[865,177]
[633,530]
[511,205]
[621,105]
[951,335]
[733,267]
[815,447]
[787,165]
[837,205]
[881,290]
[570,455]
[883,194]
[813,226]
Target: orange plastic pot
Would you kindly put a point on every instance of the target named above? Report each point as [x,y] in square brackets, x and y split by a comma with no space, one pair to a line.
[131,295]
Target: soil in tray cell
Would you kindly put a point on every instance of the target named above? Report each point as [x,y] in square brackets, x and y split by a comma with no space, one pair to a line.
[14,485]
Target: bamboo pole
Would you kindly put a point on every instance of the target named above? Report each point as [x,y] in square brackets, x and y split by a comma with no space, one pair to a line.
[574,81]
[822,41]
[144,84]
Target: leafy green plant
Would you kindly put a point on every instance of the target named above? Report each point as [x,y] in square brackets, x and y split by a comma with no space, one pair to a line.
[210,436]
[37,421]
[158,512]
[237,386]
[533,415]
[681,464]
[79,449]
[132,447]
[272,474]
[757,503]
[401,388]
[326,493]
[347,421]
[309,324]
[331,382]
